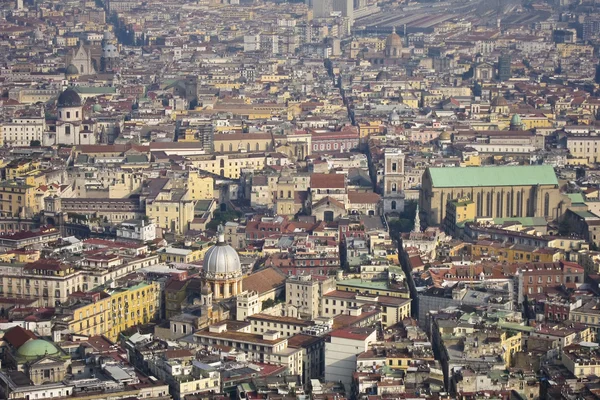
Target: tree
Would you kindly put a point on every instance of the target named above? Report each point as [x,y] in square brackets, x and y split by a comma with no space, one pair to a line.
[220,217]
[35,143]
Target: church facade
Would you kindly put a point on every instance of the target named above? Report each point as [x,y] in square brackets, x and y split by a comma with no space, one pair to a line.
[497,191]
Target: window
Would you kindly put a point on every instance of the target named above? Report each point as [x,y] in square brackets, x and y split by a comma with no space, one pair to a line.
[394,167]
[68,114]
[68,129]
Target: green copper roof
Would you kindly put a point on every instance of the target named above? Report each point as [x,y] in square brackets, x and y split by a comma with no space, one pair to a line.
[37,348]
[576,198]
[520,175]
[516,120]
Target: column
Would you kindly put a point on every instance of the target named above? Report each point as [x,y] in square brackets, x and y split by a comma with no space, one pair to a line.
[217,290]
[227,286]
[240,289]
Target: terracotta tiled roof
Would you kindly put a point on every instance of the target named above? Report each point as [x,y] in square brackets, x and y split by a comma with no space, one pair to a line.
[264,280]
[327,181]
[363,198]
[18,336]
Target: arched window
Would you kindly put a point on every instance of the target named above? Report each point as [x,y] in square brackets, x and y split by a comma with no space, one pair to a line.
[488,205]
[248,147]
[394,187]
[393,204]
[221,147]
[547,205]
[499,205]
[508,205]
[289,194]
[230,146]
[479,205]
[519,204]
[257,147]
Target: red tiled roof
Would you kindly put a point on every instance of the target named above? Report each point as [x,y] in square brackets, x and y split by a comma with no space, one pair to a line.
[327,181]
[18,336]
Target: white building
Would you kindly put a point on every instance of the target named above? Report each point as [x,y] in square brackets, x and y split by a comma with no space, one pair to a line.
[22,131]
[137,230]
[341,351]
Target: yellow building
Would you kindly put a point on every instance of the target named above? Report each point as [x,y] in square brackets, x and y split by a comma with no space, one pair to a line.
[200,187]
[20,256]
[236,142]
[514,252]
[536,121]
[172,210]
[17,200]
[112,311]
[178,255]
[374,288]
[229,165]
[19,168]
[458,212]
[511,345]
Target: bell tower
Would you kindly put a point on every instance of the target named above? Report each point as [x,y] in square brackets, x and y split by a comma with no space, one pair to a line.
[393,181]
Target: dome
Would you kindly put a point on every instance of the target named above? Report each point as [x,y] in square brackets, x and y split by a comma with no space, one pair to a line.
[394,40]
[72,70]
[383,76]
[445,136]
[108,35]
[515,120]
[68,98]
[37,348]
[499,101]
[221,259]
[110,51]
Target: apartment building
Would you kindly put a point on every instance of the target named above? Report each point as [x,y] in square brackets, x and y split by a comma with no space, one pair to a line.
[17,200]
[305,291]
[52,282]
[394,309]
[268,347]
[286,326]
[171,209]
[22,131]
[108,312]
[184,376]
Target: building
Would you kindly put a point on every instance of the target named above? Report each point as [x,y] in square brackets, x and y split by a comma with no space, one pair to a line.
[498,192]
[22,131]
[17,200]
[71,129]
[108,312]
[504,72]
[140,230]
[304,292]
[341,351]
[268,347]
[336,302]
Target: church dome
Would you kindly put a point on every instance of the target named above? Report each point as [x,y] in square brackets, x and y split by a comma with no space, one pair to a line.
[394,40]
[68,98]
[222,258]
[110,51]
[516,120]
[499,101]
[37,348]
[72,70]
[108,35]
[445,136]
